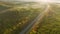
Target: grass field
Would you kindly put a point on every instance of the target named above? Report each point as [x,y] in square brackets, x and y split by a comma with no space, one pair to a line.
[50,24]
[15,16]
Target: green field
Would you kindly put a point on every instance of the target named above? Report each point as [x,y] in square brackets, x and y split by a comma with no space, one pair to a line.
[51,23]
[14,17]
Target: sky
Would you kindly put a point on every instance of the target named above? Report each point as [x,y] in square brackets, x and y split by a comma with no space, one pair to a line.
[24,0]
[33,0]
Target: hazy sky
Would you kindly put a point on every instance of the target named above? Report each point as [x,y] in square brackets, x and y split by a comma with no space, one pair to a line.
[30,0]
[24,0]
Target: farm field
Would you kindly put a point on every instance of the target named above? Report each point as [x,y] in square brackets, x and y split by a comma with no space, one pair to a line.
[29,18]
[15,18]
[50,24]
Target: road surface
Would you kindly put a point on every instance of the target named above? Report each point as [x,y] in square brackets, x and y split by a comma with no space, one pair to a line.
[39,17]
